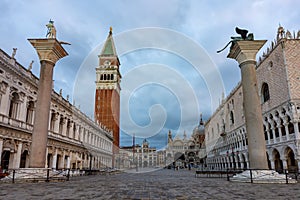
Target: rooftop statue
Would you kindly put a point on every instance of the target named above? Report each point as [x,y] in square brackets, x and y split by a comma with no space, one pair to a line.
[51,33]
[244,36]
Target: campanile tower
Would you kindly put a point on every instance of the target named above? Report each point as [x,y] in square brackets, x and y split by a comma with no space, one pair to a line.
[107,97]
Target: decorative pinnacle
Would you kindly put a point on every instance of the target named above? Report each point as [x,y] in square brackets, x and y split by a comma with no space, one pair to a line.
[110,30]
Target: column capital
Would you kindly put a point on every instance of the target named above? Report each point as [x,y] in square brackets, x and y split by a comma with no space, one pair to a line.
[48,49]
[245,50]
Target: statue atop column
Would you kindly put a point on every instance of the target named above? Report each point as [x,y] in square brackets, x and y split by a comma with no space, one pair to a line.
[51,33]
[244,36]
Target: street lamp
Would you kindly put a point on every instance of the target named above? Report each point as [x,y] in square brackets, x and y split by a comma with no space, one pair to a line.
[90,170]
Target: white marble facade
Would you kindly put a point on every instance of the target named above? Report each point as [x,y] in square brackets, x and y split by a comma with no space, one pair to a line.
[74,140]
[278,75]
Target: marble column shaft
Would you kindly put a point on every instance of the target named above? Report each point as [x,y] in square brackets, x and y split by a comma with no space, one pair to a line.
[245,53]
[49,52]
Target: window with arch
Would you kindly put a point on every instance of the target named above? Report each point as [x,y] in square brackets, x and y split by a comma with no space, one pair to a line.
[29,113]
[52,121]
[14,105]
[61,124]
[282,128]
[231,117]
[265,92]
[290,126]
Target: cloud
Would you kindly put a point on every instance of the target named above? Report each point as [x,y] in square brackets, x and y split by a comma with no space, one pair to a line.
[207,25]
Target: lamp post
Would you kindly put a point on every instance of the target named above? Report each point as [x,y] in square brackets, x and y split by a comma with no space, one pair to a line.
[90,167]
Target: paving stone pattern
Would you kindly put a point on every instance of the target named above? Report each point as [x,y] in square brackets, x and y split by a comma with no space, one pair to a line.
[159,184]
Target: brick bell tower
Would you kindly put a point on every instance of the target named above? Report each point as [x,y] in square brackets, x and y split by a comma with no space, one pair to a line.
[107,97]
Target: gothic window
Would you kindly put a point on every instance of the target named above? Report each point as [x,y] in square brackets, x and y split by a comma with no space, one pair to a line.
[101,77]
[14,104]
[231,117]
[276,130]
[282,128]
[265,92]
[29,113]
[112,77]
[290,126]
[266,133]
[271,134]
[105,77]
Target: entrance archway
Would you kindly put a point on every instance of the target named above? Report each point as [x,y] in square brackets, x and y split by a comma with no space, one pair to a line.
[277,162]
[5,159]
[24,159]
[291,162]
[58,161]
[49,160]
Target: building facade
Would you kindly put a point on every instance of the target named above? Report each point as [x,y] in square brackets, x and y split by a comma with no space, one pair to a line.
[184,152]
[278,75]
[138,156]
[107,97]
[74,140]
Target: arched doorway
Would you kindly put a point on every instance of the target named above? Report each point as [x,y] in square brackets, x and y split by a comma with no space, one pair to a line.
[291,162]
[5,159]
[269,162]
[58,161]
[49,160]
[243,160]
[277,162]
[24,159]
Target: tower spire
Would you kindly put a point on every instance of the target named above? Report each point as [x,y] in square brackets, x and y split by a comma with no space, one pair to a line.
[109,48]
[107,97]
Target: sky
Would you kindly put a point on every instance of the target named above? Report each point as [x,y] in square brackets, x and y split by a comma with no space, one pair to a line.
[170,69]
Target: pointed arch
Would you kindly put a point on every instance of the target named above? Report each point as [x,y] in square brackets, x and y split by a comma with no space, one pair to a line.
[265,94]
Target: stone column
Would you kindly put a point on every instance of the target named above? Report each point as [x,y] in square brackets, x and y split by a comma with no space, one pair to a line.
[47,165]
[23,109]
[49,52]
[56,123]
[54,159]
[284,163]
[298,161]
[17,157]
[4,92]
[286,131]
[268,134]
[272,164]
[244,52]
[296,130]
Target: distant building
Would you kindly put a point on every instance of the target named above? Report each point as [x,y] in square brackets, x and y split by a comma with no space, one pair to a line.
[74,140]
[137,156]
[187,151]
[278,76]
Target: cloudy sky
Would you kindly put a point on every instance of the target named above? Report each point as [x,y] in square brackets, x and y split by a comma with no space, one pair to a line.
[167,49]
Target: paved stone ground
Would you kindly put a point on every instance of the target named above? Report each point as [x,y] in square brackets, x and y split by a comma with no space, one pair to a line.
[160,184]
